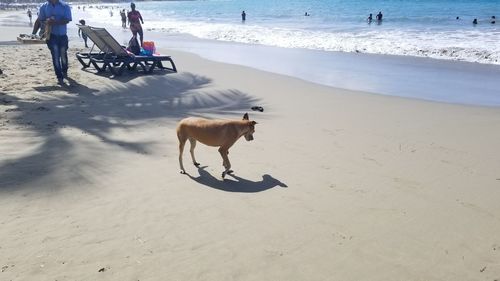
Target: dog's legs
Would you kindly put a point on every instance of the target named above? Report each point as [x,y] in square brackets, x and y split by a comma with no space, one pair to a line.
[224,151]
[229,171]
[182,142]
[191,150]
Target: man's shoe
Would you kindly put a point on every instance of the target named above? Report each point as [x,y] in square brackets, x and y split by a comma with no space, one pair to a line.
[60,81]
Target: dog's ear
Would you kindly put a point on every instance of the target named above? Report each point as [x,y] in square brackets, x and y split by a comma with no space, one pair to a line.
[245,117]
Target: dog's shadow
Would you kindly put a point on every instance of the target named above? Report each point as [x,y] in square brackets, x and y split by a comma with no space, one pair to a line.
[236,184]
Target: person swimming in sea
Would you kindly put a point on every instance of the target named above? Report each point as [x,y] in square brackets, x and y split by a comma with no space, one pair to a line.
[493,20]
[370,18]
[474,21]
[379,16]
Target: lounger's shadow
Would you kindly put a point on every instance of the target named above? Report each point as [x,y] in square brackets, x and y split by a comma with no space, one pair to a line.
[236,184]
[126,76]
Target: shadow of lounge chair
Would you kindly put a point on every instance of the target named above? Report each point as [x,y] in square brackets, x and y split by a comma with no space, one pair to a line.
[114,57]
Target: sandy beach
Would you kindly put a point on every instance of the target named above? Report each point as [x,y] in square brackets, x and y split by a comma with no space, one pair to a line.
[337,185]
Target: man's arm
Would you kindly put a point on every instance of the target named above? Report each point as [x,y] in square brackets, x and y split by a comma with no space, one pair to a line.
[41,17]
[36,26]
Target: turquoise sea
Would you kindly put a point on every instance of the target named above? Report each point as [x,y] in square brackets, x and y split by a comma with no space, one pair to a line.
[422,28]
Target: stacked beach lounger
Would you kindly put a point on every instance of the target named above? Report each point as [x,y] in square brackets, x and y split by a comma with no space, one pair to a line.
[114,57]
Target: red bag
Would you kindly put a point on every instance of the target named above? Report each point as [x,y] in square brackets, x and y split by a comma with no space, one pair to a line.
[149,47]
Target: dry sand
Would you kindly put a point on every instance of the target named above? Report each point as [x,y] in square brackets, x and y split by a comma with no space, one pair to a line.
[337,185]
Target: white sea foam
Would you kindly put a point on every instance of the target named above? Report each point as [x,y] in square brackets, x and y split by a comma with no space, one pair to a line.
[472,46]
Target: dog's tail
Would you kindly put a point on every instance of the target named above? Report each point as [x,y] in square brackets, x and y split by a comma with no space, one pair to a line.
[180,132]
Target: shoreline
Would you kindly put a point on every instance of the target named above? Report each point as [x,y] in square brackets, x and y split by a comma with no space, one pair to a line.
[418,78]
[391,75]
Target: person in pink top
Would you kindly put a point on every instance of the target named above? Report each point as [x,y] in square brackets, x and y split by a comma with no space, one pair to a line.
[135,20]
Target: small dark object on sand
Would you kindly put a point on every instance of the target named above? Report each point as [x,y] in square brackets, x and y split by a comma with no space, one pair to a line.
[102,269]
[257,108]
[1,72]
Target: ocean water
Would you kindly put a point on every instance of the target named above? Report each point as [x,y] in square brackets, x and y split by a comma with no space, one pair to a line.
[421,28]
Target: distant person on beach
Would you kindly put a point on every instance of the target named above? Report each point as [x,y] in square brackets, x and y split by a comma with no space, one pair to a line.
[134,20]
[29,15]
[243,16]
[124,18]
[370,18]
[81,34]
[493,20]
[56,14]
[474,21]
[379,16]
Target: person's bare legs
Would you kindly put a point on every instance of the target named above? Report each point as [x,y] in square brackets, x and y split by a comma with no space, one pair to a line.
[141,36]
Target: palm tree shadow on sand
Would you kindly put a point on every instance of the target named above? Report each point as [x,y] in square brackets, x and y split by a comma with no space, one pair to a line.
[98,111]
[238,184]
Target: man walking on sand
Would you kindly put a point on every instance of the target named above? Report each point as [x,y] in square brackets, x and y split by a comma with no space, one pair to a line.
[56,14]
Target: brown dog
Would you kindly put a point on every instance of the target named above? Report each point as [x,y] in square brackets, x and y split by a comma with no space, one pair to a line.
[221,133]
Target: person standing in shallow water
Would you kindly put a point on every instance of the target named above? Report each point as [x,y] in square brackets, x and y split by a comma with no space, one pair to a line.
[124,18]
[243,16]
[135,19]
[29,15]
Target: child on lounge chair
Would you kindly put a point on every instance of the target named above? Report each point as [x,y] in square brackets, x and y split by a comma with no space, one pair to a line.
[81,34]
